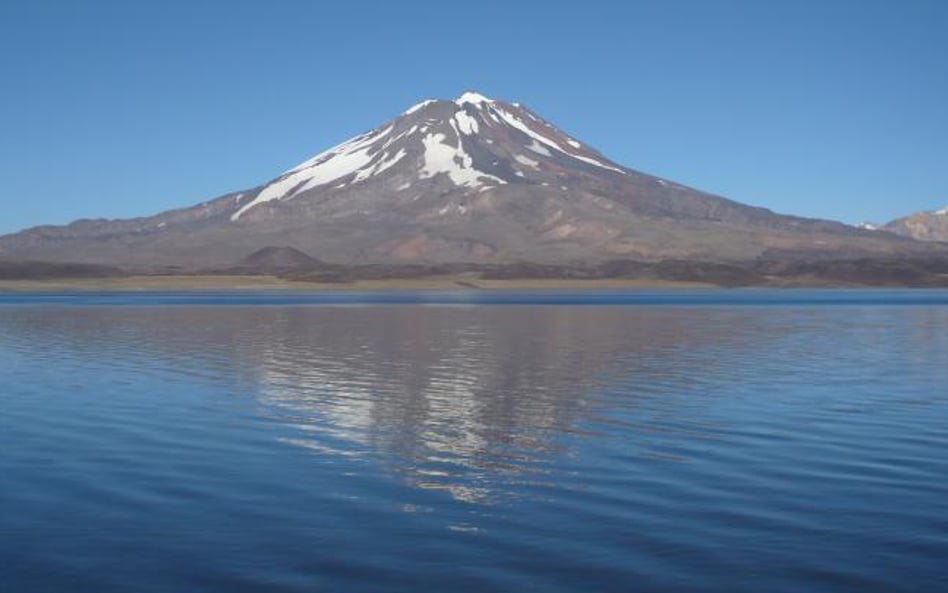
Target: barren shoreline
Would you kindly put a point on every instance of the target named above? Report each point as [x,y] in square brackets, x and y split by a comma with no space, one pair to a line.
[241,283]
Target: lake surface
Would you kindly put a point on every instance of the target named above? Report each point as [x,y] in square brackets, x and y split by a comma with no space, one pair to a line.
[692,441]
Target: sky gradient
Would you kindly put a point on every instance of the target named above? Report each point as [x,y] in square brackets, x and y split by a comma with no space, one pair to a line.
[825,108]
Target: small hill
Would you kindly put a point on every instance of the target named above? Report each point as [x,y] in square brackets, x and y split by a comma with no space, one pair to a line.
[277,260]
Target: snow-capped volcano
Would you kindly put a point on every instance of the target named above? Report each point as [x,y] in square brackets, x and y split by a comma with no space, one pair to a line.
[472,179]
[473,142]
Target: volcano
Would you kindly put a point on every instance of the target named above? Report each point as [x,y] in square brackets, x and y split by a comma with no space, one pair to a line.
[467,180]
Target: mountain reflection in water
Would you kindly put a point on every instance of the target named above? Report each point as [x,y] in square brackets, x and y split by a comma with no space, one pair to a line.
[457,400]
[463,399]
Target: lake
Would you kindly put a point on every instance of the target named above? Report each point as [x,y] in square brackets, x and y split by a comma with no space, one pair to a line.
[726,441]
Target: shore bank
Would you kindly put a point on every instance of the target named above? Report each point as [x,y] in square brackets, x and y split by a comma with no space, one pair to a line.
[239,283]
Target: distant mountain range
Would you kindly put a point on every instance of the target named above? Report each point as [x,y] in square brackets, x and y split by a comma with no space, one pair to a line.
[925,226]
[470,180]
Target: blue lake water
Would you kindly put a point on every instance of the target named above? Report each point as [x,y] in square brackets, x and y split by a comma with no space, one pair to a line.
[759,441]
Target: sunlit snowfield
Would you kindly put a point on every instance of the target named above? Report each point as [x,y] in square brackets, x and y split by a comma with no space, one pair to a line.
[702,441]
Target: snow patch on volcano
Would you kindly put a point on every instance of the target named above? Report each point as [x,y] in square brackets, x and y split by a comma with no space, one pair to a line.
[514,122]
[337,162]
[539,148]
[473,98]
[442,157]
[466,124]
[419,106]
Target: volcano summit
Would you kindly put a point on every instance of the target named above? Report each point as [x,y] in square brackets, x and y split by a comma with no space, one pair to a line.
[468,180]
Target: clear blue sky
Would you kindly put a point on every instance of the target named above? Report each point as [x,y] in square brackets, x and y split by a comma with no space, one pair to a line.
[825,108]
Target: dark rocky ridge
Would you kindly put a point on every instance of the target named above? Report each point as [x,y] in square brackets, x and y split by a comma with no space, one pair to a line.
[38,270]
[290,264]
[917,273]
